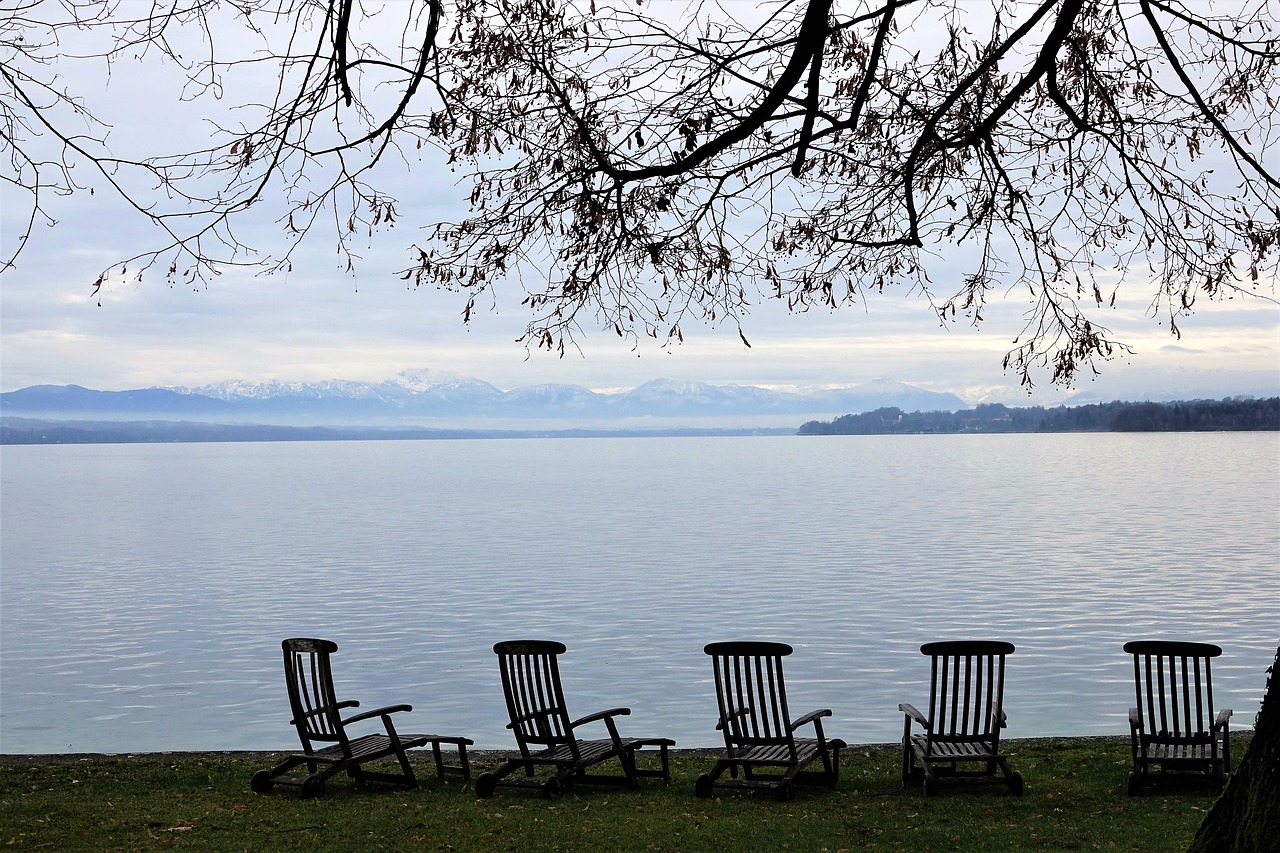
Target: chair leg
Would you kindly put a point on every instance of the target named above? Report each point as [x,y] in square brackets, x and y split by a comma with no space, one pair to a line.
[831,761]
[643,747]
[411,780]
[706,781]
[1014,780]
[438,756]
[286,765]
[664,762]
[464,762]
[702,786]
[911,773]
[439,759]
[627,758]
[487,782]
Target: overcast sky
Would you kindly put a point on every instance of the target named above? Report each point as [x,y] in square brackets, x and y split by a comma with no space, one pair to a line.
[319,322]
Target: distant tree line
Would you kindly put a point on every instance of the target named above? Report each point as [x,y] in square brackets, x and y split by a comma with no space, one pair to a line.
[1233,414]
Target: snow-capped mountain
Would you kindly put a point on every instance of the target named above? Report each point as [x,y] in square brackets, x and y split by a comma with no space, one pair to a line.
[241,389]
[407,385]
[429,397]
[553,397]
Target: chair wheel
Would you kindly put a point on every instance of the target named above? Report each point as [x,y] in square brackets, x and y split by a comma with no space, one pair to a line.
[786,791]
[261,782]
[702,786]
[1015,783]
[486,784]
[1135,785]
[930,787]
[552,788]
[312,788]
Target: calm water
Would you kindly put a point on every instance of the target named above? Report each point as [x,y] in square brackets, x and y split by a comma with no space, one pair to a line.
[146,588]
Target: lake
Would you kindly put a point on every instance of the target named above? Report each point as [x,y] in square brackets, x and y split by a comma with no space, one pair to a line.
[145,588]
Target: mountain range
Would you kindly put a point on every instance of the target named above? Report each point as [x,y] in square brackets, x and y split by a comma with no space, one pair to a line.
[434,399]
[425,397]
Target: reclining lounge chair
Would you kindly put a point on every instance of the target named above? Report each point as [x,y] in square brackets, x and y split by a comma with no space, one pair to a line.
[759,734]
[327,746]
[548,738]
[966,714]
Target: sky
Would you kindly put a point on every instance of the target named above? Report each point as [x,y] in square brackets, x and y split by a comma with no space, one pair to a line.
[320,322]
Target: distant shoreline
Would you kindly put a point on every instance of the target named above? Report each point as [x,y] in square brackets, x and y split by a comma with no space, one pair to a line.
[1228,415]
[19,431]
[1232,414]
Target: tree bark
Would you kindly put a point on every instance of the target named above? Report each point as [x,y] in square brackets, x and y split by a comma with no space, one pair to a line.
[1246,818]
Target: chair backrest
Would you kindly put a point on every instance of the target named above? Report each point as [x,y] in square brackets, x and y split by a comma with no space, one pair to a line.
[535,700]
[307,672]
[966,690]
[751,694]
[1174,689]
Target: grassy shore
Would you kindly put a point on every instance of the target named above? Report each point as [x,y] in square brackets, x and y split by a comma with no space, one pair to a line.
[1075,800]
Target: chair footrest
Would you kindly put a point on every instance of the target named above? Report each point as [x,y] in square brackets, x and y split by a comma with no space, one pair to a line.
[461,743]
[456,741]
[648,746]
[636,743]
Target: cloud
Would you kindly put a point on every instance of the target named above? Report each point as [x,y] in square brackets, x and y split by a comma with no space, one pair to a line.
[322,322]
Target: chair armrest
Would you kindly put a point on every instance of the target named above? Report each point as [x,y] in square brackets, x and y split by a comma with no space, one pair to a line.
[1135,719]
[1223,717]
[533,715]
[913,714]
[810,717]
[350,703]
[377,712]
[732,715]
[600,715]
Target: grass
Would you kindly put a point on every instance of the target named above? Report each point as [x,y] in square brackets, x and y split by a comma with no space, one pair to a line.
[1075,800]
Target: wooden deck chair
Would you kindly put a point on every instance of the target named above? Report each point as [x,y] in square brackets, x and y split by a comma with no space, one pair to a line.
[759,733]
[327,746]
[1176,737]
[546,735]
[966,714]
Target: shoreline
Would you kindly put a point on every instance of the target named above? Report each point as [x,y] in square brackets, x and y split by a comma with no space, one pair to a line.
[481,754]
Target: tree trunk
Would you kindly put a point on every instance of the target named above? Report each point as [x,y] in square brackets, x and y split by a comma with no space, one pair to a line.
[1246,818]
